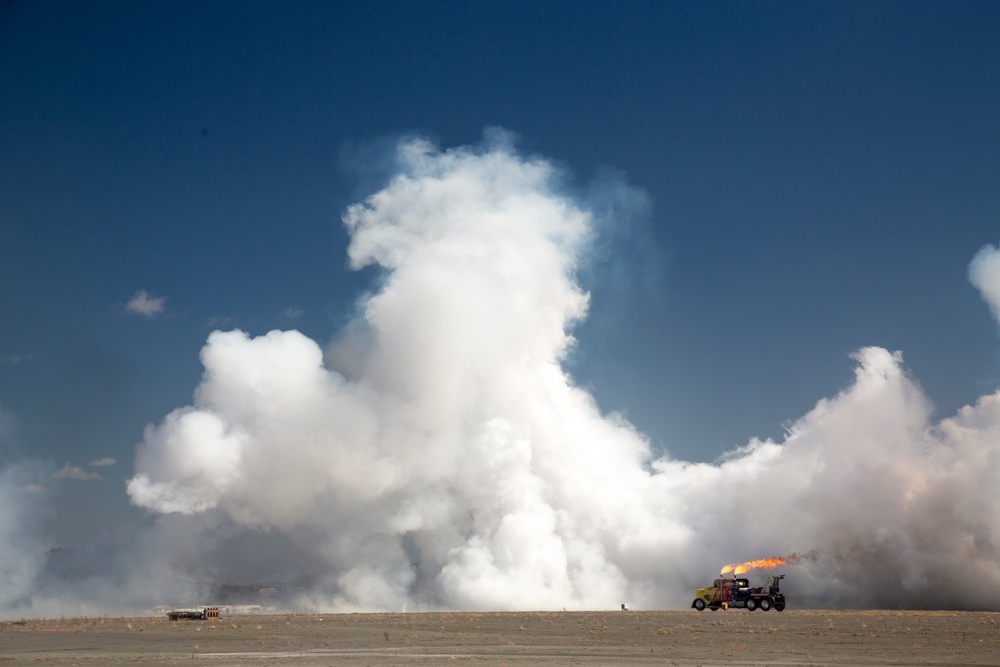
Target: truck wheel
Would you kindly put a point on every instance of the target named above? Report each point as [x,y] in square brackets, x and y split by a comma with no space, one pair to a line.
[751,604]
[779,606]
[699,604]
[765,604]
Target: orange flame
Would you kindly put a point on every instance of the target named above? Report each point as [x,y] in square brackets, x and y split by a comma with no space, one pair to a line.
[759,564]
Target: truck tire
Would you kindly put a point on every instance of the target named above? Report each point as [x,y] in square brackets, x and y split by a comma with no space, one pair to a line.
[751,604]
[765,604]
[780,605]
[699,604]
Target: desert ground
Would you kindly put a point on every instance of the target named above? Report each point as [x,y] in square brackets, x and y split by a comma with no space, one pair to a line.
[735,637]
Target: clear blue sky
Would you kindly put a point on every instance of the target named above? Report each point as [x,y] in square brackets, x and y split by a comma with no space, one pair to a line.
[818,176]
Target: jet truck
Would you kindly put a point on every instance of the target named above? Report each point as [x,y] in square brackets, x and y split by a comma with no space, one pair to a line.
[737,593]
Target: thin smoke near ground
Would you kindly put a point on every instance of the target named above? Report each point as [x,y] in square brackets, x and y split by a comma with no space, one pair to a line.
[437,454]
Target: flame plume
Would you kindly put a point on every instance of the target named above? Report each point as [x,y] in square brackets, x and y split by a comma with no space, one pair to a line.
[759,564]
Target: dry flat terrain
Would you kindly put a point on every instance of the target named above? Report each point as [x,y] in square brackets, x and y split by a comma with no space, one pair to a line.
[736,637]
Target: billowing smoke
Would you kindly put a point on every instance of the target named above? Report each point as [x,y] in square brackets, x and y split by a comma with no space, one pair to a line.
[438,450]
[19,544]
[437,454]
[984,273]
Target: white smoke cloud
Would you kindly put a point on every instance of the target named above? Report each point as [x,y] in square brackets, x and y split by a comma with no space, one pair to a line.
[438,453]
[70,471]
[145,304]
[984,273]
[18,491]
[21,547]
[103,462]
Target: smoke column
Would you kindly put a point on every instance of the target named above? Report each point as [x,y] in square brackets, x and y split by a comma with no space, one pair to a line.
[437,454]
[18,543]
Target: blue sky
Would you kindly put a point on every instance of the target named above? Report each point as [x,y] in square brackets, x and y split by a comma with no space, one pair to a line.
[812,178]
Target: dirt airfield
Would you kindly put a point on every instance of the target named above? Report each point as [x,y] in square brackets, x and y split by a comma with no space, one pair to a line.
[736,637]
